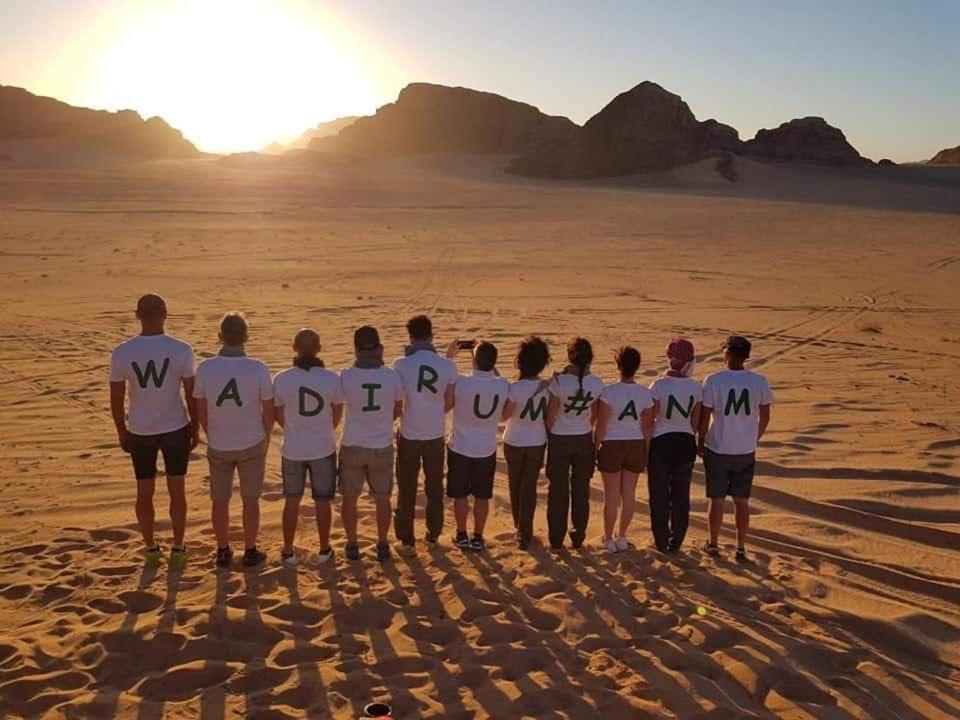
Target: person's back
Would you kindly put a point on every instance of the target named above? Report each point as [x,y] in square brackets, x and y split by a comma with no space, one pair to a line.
[234,388]
[308,397]
[478,400]
[577,397]
[153,367]
[526,426]
[676,398]
[369,395]
[735,397]
[425,376]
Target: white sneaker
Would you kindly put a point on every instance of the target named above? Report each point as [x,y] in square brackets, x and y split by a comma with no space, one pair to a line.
[289,560]
[325,556]
[611,546]
[622,543]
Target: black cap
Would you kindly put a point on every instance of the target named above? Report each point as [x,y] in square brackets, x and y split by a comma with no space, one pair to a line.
[366,338]
[738,345]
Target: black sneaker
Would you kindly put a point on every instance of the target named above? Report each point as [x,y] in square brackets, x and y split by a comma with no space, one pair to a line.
[432,539]
[522,542]
[224,556]
[462,540]
[352,551]
[477,543]
[253,557]
[383,551]
[576,543]
[741,555]
[710,548]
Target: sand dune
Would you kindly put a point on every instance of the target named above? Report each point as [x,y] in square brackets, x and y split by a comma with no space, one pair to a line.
[850,610]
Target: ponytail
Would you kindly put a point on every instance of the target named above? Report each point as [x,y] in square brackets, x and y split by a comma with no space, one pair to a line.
[305,362]
[580,355]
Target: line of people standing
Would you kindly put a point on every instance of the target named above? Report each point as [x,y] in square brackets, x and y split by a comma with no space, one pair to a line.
[571,422]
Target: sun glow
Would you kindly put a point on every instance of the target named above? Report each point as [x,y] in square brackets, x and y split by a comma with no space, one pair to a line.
[231,74]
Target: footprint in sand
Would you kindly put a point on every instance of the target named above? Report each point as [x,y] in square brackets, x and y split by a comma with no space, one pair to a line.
[440,634]
[138,601]
[497,633]
[116,570]
[262,678]
[106,535]
[304,655]
[185,682]
[107,605]
[16,592]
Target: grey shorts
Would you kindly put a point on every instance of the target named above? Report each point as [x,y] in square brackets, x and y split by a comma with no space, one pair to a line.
[323,477]
[370,466]
[728,474]
[250,464]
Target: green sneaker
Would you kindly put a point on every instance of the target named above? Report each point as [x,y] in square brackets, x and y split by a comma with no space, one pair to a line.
[178,558]
[151,556]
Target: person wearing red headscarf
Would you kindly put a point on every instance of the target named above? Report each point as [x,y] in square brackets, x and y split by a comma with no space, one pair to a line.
[673,449]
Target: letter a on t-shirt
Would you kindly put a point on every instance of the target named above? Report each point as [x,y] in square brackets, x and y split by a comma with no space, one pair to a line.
[230,392]
[144,377]
[629,411]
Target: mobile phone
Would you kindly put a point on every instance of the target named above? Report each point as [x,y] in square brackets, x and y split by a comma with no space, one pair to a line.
[466,344]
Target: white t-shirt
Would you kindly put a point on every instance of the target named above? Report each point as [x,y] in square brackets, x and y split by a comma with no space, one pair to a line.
[425,376]
[153,367]
[478,401]
[676,397]
[307,398]
[575,405]
[526,426]
[235,389]
[735,397]
[627,401]
[370,394]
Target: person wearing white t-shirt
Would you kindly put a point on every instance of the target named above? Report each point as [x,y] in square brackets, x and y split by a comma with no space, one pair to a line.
[309,406]
[154,366]
[673,450]
[735,415]
[427,377]
[525,436]
[478,400]
[624,426]
[373,396]
[571,453]
[234,396]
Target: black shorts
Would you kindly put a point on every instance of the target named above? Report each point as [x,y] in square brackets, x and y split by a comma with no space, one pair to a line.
[175,447]
[728,474]
[470,476]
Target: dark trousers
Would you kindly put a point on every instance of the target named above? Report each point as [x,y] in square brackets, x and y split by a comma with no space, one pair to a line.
[523,470]
[410,455]
[669,469]
[570,463]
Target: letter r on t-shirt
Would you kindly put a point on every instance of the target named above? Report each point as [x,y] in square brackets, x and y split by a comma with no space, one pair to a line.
[427,378]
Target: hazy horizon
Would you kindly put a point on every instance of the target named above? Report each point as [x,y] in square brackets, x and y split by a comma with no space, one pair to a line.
[235,76]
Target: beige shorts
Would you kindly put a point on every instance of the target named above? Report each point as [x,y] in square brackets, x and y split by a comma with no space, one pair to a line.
[373,466]
[250,464]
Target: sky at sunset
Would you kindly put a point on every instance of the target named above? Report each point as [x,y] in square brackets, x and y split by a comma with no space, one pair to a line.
[238,74]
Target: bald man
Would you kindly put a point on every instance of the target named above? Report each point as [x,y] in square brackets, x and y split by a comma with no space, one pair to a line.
[161,420]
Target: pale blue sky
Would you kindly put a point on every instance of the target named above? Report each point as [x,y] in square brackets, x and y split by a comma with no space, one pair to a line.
[887,73]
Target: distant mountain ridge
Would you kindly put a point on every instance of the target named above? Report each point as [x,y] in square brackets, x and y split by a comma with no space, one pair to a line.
[25,116]
[324,129]
[948,156]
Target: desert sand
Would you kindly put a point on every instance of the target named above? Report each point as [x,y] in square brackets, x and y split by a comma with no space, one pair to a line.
[846,282]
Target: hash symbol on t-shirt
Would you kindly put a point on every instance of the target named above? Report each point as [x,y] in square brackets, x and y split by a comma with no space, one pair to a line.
[578,403]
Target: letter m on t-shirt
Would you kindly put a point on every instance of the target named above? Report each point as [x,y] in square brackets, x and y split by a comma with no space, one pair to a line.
[736,404]
[150,373]
[533,411]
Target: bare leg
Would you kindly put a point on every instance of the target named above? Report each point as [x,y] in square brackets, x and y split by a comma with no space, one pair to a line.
[291,515]
[715,519]
[220,518]
[481,508]
[628,492]
[251,521]
[144,509]
[461,508]
[742,509]
[348,515]
[178,508]
[384,515]
[611,502]
[324,519]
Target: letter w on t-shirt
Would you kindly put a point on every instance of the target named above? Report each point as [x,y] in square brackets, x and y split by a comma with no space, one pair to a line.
[144,376]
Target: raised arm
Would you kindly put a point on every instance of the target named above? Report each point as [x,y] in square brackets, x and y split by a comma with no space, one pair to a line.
[118,393]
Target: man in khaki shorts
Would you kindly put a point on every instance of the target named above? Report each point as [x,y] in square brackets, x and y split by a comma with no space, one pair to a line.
[234,396]
[373,395]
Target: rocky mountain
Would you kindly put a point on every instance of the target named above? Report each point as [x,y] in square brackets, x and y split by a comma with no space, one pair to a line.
[949,156]
[435,118]
[25,116]
[323,129]
[809,140]
[643,129]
